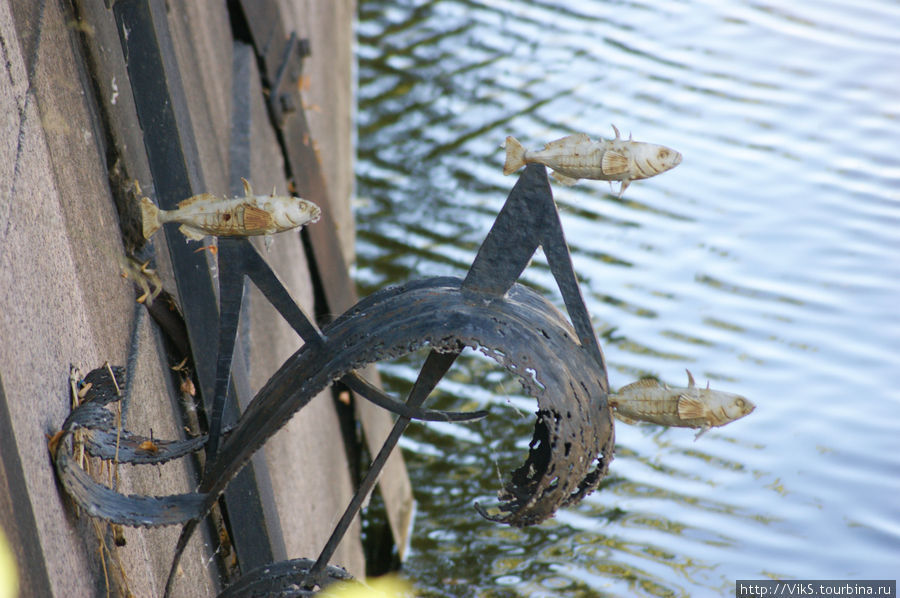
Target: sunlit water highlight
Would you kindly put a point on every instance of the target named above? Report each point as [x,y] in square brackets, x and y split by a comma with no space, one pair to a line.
[767,262]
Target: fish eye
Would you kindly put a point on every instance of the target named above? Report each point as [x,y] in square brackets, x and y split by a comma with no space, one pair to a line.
[740,402]
[663,154]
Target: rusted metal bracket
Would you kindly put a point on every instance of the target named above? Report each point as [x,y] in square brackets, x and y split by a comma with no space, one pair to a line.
[282,59]
[282,100]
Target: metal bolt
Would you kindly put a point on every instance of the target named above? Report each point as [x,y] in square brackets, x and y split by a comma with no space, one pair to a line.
[287,103]
[303,47]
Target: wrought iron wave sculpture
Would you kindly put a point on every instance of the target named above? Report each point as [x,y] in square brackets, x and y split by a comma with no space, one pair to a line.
[558,361]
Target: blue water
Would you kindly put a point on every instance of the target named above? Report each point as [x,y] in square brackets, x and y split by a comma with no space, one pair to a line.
[768,262]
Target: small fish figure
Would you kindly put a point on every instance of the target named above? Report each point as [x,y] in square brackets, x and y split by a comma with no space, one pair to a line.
[206,214]
[577,157]
[648,400]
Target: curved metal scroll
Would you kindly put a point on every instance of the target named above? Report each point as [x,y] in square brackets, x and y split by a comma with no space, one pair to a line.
[521,331]
[96,428]
[279,580]
[558,362]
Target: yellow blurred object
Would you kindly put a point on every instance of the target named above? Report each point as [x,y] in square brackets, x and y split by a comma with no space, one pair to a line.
[388,586]
[9,576]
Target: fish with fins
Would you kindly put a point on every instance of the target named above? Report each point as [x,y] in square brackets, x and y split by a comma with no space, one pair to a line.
[692,407]
[207,214]
[577,157]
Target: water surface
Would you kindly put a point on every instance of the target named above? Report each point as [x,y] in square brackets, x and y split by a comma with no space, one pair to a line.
[767,263]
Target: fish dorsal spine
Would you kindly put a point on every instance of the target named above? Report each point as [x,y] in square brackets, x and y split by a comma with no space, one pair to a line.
[691,379]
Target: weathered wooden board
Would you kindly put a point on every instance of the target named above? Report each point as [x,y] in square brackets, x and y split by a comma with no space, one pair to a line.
[72,145]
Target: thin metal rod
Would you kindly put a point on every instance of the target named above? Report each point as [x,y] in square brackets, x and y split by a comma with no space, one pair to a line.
[231,296]
[436,365]
[360,386]
[134,346]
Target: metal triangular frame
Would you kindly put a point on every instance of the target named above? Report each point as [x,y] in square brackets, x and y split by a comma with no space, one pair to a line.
[528,220]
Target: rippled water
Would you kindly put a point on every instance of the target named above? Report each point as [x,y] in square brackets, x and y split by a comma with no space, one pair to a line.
[767,262]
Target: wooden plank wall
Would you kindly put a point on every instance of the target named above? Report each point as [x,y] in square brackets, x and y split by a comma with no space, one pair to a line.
[70,142]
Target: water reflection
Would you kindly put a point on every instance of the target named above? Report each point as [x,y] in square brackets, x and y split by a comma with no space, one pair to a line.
[766,262]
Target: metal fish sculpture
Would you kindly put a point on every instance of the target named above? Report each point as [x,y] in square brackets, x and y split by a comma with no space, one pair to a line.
[206,214]
[577,157]
[692,407]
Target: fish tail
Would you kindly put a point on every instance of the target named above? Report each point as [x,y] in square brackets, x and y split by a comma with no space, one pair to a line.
[149,217]
[515,156]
